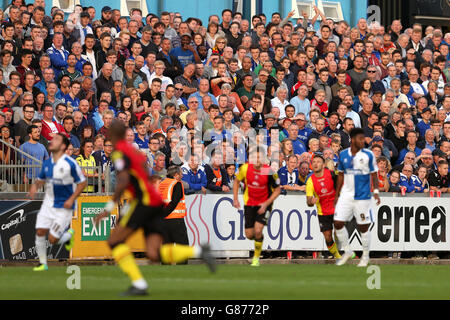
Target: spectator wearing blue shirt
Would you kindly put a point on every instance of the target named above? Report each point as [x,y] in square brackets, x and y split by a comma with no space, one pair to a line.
[303,131]
[424,125]
[58,55]
[408,180]
[68,124]
[301,102]
[194,175]
[297,143]
[71,99]
[423,185]
[34,149]
[186,54]
[97,116]
[141,136]
[411,139]
[289,175]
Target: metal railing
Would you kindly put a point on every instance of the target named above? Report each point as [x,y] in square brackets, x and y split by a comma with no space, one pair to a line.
[19,170]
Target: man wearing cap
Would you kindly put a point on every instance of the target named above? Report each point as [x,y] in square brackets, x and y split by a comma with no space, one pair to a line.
[186,53]
[106,15]
[424,125]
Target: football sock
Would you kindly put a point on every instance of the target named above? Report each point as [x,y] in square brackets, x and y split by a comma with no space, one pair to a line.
[365,241]
[171,253]
[124,258]
[65,237]
[342,238]
[258,248]
[334,250]
[41,249]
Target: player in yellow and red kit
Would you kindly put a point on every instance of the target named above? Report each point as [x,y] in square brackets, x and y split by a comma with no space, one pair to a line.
[320,192]
[262,187]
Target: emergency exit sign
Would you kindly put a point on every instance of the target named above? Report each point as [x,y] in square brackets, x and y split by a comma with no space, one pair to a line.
[90,231]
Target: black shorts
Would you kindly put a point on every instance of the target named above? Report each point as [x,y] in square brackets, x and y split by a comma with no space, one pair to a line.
[146,217]
[326,222]
[175,231]
[251,216]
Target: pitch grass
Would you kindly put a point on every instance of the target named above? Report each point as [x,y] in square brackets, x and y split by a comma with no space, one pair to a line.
[233,282]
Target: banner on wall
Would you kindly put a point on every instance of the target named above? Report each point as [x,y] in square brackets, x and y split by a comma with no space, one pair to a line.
[18,233]
[400,224]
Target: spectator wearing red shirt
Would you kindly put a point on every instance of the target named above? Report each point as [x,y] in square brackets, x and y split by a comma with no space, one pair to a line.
[50,127]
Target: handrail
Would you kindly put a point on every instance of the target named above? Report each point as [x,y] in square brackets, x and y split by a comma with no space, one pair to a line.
[20,151]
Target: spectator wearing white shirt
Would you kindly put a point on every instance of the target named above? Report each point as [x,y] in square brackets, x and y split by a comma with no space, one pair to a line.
[159,69]
[280,101]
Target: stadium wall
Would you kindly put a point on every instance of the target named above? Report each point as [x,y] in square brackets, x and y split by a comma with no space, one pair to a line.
[398,224]
[352,9]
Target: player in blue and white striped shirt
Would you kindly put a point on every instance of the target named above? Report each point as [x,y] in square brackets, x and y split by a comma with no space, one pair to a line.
[64,182]
[357,166]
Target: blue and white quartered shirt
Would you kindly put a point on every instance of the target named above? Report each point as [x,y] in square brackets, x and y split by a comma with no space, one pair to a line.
[357,170]
[60,180]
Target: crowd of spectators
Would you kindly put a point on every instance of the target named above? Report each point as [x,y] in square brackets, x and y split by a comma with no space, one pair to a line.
[198,93]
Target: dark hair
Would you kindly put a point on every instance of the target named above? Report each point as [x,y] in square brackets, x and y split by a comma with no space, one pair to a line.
[356,131]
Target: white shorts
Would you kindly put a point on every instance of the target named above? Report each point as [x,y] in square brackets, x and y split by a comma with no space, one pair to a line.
[55,219]
[347,208]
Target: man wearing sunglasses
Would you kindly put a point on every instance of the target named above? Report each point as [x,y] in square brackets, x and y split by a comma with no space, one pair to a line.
[377,85]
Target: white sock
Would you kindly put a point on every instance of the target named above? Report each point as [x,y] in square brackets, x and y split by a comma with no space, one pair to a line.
[140,284]
[41,249]
[365,239]
[65,237]
[197,251]
[342,238]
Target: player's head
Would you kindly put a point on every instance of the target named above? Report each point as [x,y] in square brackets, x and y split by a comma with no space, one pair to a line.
[59,143]
[117,131]
[358,138]
[257,156]
[318,163]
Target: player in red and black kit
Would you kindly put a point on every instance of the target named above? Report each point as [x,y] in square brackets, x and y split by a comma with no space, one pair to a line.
[145,211]
[262,187]
[320,192]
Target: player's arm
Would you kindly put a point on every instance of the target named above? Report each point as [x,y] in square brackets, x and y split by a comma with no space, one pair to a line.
[123,178]
[311,200]
[35,187]
[79,189]
[236,202]
[270,200]
[376,192]
[237,182]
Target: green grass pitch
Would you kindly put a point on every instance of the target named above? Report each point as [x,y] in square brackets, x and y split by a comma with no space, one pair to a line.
[231,282]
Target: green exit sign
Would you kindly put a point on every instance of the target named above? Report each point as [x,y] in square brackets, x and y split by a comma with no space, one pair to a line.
[91,231]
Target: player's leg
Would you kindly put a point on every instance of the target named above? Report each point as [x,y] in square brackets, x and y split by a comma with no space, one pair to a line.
[331,245]
[59,231]
[121,252]
[124,258]
[258,234]
[41,249]
[179,251]
[344,210]
[249,218]
[326,227]
[363,220]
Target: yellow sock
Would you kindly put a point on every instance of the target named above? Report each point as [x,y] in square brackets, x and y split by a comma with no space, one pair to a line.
[334,250]
[124,258]
[171,253]
[258,249]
